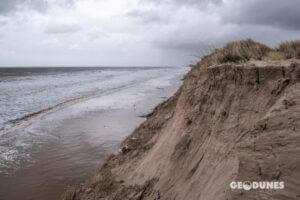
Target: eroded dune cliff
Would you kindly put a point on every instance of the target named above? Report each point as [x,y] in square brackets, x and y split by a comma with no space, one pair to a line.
[235,118]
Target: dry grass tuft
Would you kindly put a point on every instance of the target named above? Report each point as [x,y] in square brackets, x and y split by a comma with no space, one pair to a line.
[239,51]
[290,49]
[244,50]
[274,55]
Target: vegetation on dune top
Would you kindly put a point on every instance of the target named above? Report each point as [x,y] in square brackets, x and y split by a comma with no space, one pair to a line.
[245,50]
[290,49]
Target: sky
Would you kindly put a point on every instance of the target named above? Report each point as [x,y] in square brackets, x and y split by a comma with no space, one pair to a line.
[136,32]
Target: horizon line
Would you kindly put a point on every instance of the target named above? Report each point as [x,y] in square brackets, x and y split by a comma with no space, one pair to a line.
[58,66]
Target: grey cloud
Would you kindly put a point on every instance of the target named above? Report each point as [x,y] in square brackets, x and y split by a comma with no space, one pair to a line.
[193,48]
[197,45]
[197,3]
[192,45]
[147,17]
[284,14]
[11,6]
[3,22]
[268,21]
[175,29]
[62,28]
[7,6]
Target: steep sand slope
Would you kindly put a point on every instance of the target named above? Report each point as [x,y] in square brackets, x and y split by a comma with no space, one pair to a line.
[227,122]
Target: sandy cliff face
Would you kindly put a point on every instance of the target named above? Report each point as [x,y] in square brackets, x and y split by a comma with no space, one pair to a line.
[228,122]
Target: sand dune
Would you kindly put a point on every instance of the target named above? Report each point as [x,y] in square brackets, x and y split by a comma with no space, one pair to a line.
[235,118]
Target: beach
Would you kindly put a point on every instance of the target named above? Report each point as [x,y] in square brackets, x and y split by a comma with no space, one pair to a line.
[65,145]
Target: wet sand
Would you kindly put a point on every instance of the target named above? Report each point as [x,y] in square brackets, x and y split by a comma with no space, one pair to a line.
[71,158]
[77,146]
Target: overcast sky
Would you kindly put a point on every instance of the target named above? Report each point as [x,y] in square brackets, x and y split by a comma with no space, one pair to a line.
[135,32]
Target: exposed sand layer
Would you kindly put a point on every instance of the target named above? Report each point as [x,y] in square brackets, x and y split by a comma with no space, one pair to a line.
[228,122]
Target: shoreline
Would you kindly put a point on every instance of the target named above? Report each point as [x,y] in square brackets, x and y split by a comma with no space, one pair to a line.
[77,146]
